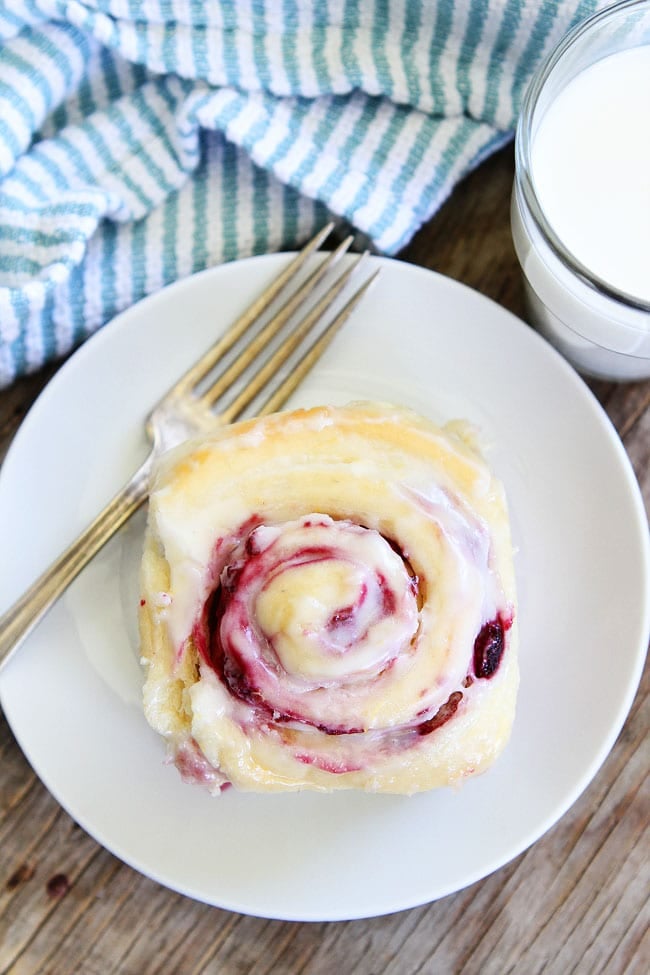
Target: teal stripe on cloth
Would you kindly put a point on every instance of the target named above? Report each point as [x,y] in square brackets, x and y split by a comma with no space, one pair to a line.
[324,78]
[378,39]
[200,216]
[16,347]
[40,238]
[108,270]
[289,47]
[141,141]
[48,348]
[410,33]
[348,38]
[19,265]
[289,214]
[110,76]
[471,41]
[75,328]
[138,259]
[261,211]
[230,192]
[170,239]
[443,28]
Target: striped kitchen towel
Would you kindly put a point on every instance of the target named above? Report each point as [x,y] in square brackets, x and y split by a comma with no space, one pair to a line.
[142,140]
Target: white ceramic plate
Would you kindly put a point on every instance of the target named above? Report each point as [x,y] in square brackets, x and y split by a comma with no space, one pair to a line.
[72,696]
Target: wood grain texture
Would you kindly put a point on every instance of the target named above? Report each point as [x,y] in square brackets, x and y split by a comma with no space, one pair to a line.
[576,902]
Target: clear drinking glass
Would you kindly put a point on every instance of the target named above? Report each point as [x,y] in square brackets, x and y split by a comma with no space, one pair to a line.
[602,331]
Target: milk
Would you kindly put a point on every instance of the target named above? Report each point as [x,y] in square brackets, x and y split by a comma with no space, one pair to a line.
[590,165]
[581,199]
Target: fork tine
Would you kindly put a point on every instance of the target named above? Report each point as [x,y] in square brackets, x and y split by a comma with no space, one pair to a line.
[291,342]
[225,380]
[313,353]
[208,360]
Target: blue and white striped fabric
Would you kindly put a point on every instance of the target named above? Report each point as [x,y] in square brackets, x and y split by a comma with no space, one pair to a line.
[142,140]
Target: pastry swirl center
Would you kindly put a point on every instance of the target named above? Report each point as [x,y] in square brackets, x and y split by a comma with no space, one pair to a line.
[330,598]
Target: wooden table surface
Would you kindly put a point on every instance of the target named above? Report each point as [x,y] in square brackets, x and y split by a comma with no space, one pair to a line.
[576,902]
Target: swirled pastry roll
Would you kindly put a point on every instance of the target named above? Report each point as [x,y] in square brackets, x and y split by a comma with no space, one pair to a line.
[328,601]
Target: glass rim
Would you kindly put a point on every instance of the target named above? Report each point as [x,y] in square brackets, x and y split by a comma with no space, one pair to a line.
[523,155]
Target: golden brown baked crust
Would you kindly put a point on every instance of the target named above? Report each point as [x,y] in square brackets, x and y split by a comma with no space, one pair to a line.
[328,601]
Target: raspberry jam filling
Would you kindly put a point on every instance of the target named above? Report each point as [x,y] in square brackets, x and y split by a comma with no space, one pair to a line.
[490,644]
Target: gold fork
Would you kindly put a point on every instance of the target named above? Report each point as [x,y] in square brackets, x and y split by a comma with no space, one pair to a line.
[187,409]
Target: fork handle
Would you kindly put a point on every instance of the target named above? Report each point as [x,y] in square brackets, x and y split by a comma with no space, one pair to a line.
[20,619]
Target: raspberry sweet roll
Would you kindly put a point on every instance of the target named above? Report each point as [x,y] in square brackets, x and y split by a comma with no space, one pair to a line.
[328,601]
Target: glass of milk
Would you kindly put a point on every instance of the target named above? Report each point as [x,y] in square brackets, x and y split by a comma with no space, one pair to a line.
[581,198]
